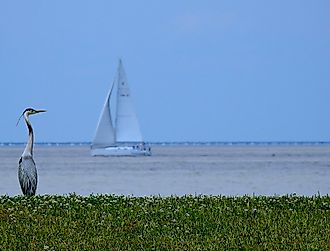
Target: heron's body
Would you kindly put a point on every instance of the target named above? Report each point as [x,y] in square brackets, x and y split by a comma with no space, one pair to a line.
[27,171]
[27,175]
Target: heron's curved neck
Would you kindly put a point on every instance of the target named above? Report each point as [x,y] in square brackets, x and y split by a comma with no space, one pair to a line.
[29,145]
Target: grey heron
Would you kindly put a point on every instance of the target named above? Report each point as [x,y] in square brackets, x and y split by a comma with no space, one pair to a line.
[27,171]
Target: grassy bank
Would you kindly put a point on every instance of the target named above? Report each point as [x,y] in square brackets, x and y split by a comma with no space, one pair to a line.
[106,222]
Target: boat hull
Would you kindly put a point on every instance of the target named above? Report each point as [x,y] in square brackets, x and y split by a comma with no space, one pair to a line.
[121,151]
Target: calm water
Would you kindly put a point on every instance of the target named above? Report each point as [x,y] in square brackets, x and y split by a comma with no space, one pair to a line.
[179,170]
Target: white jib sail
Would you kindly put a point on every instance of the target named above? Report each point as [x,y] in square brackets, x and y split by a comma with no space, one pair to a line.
[105,134]
[127,125]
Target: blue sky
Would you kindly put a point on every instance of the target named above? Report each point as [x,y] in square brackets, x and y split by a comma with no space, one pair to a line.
[198,70]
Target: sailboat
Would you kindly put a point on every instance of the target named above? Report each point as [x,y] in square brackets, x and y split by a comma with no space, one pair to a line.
[124,138]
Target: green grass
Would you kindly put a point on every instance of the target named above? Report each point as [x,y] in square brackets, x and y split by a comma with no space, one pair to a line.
[108,222]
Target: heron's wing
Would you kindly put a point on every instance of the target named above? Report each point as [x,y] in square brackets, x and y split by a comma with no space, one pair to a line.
[27,175]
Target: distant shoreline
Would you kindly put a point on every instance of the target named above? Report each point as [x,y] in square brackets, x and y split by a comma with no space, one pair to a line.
[184,143]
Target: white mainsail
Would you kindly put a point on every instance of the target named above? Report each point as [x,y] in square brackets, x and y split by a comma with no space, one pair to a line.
[127,125]
[105,133]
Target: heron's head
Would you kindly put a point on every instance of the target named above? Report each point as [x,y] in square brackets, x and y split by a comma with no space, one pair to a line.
[29,111]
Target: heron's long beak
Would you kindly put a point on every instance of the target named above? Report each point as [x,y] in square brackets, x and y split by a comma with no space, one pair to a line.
[37,111]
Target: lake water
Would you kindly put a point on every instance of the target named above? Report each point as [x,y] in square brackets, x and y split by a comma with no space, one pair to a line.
[176,170]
